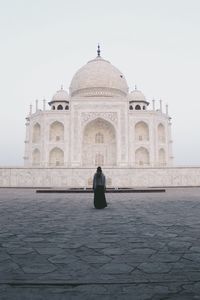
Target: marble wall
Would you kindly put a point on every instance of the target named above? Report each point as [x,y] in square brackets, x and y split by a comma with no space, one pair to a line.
[116,177]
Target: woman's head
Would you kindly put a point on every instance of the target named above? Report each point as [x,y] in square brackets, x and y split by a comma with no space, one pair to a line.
[99,170]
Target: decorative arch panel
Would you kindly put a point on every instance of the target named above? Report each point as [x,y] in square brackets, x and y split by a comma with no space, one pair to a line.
[142,157]
[56,157]
[141,131]
[99,146]
[56,133]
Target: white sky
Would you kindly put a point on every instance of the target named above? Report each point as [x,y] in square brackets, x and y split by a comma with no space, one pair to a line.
[155,43]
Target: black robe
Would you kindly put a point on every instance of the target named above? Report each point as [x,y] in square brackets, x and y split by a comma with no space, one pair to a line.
[99,186]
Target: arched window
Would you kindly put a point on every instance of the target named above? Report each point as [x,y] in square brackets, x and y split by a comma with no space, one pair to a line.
[131,107]
[56,132]
[142,157]
[60,107]
[99,138]
[67,107]
[141,131]
[56,157]
[161,133]
[53,107]
[144,107]
[138,107]
[99,159]
[36,157]
[36,133]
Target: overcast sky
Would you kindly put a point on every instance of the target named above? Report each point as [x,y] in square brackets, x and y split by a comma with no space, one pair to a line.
[155,43]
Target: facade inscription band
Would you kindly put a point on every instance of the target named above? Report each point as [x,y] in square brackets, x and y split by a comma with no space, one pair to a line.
[89,116]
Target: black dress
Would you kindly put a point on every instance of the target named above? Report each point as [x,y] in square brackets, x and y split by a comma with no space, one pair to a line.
[99,191]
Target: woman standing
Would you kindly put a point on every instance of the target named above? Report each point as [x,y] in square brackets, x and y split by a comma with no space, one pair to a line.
[99,187]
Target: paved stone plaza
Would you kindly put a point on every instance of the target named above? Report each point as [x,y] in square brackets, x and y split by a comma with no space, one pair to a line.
[57,246]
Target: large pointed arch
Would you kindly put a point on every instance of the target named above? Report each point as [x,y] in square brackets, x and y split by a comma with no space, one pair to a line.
[56,132]
[141,131]
[142,157]
[56,157]
[99,144]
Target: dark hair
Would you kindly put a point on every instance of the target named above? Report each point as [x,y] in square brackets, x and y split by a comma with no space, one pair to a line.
[99,170]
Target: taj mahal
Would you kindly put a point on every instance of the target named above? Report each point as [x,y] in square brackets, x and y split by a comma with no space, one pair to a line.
[99,122]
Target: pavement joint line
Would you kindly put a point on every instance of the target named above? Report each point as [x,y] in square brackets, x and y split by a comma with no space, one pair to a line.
[93,283]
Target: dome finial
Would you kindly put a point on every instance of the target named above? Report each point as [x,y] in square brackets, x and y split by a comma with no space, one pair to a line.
[98,51]
[61,87]
[135,87]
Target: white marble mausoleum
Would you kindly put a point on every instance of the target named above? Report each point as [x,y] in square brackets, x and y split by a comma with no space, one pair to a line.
[98,122]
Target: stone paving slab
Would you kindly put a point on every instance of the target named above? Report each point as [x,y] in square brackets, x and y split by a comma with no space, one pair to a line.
[142,246]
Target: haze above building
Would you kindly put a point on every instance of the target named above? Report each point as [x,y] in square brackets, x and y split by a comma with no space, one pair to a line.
[155,43]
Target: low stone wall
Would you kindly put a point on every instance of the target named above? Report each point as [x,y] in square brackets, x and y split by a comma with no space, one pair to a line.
[116,177]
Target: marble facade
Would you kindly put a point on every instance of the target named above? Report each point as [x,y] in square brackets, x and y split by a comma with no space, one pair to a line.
[99,122]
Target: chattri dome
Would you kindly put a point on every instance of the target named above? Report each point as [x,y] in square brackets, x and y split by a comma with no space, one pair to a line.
[137,95]
[98,78]
[60,95]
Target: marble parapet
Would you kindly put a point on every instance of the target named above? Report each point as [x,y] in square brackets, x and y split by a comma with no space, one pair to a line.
[116,177]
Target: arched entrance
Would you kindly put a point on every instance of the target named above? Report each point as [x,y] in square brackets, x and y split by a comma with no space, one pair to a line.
[99,144]
[142,157]
[141,131]
[56,132]
[56,157]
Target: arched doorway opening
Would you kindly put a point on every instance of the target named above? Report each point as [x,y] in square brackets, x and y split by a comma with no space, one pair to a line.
[99,145]
[56,157]
[142,157]
[141,131]
[56,132]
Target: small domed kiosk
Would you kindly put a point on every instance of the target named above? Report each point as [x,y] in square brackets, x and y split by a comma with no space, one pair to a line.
[60,100]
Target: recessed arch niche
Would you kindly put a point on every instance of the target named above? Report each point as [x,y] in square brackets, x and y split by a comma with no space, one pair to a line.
[141,131]
[56,133]
[142,157]
[99,146]
[56,157]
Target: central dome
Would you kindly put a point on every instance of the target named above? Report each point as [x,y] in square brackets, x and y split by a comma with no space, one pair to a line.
[98,78]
